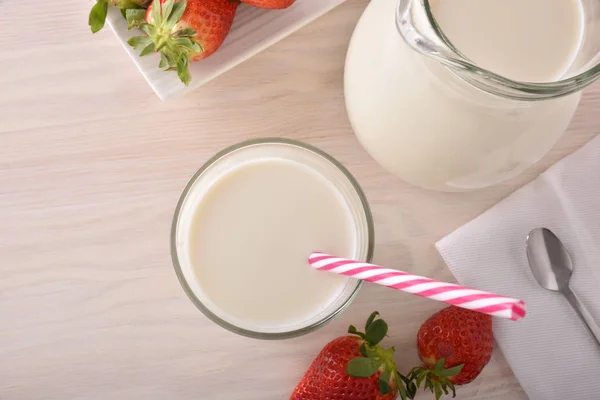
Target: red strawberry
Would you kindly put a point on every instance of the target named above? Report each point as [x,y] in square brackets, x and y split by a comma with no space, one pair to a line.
[270,4]
[354,368]
[182,30]
[455,345]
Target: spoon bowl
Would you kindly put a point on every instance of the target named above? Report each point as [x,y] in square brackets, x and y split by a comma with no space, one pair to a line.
[550,263]
[552,268]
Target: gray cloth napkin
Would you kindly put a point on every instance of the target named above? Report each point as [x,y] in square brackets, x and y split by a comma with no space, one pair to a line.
[550,351]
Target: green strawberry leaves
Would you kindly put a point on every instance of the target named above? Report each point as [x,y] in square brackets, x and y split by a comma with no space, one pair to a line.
[189,32]
[409,385]
[149,49]
[375,330]
[97,17]
[384,379]
[371,319]
[446,373]
[183,71]
[363,349]
[362,367]
[135,17]
[166,9]
[98,13]
[163,61]
[175,14]
[406,388]
[157,10]
[376,358]
[176,46]
[139,42]
[352,330]
[435,379]
[384,387]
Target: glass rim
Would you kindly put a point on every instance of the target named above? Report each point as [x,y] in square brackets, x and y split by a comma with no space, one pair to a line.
[488,81]
[232,327]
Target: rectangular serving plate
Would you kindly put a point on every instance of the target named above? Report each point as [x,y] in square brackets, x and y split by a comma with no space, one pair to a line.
[253,30]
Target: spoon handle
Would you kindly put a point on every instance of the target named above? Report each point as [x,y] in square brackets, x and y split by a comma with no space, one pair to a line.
[583,313]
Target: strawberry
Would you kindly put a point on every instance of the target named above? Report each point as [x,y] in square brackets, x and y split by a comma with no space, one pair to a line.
[97,17]
[270,4]
[182,31]
[354,368]
[455,345]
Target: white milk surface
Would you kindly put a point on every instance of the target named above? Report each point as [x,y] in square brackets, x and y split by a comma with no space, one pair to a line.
[250,237]
[524,40]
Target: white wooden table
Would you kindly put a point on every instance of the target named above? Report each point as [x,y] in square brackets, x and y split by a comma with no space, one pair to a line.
[91,165]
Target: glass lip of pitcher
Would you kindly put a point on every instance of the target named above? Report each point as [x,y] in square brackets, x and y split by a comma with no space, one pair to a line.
[436,45]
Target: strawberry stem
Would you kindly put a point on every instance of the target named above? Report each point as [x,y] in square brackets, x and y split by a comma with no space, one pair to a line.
[436,379]
[376,358]
[161,44]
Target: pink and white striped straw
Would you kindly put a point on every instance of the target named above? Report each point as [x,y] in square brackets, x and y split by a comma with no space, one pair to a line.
[460,296]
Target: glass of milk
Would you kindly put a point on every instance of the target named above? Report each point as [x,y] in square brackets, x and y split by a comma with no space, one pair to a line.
[458,95]
[245,225]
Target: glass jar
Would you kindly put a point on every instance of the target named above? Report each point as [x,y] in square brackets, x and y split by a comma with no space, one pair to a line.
[438,120]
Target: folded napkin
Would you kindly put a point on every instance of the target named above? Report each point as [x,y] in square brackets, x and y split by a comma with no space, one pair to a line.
[550,351]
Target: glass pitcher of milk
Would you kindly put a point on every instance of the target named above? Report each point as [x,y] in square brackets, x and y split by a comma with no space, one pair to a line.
[458,95]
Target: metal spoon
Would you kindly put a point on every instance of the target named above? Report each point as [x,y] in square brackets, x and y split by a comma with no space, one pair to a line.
[552,268]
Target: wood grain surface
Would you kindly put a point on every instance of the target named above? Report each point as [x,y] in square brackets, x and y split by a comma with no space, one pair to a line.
[91,166]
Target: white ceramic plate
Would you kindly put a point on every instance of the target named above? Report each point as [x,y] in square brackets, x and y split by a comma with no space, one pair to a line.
[253,30]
